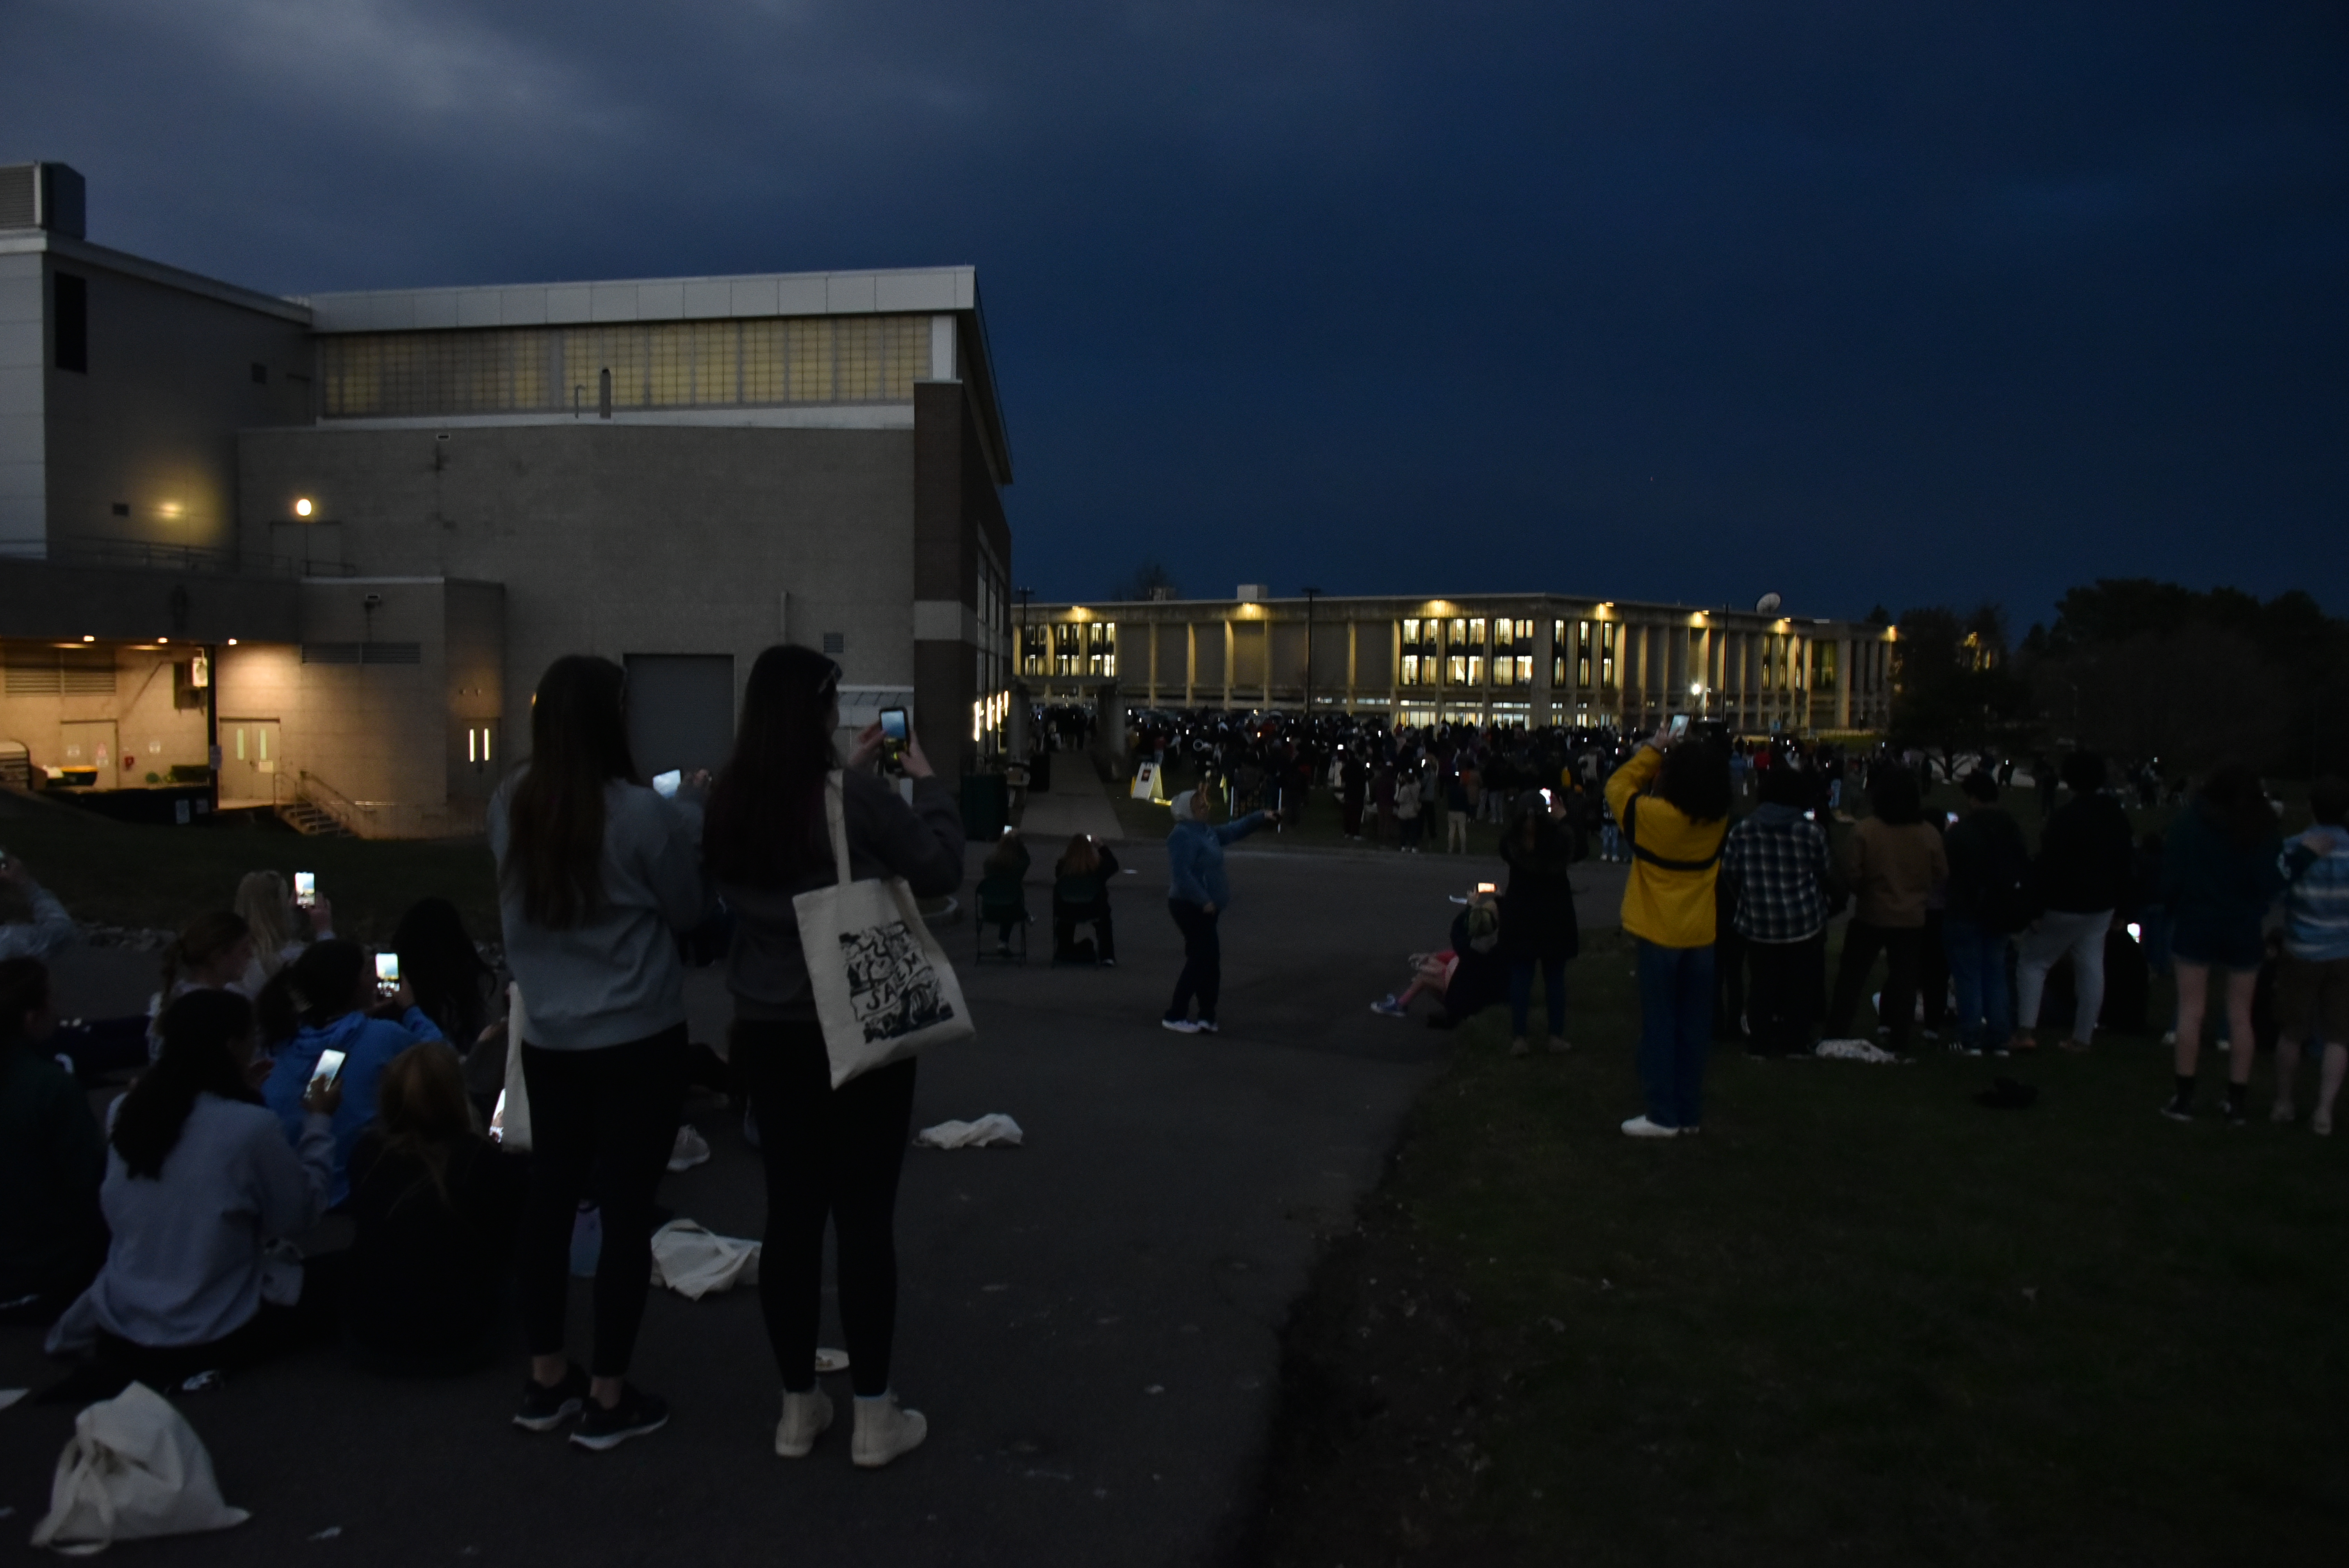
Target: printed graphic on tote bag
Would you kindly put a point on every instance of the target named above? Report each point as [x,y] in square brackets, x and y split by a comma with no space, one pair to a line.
[890,985]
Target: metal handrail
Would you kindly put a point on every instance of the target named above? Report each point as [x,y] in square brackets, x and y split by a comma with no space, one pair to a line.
[151,553]
[350,813]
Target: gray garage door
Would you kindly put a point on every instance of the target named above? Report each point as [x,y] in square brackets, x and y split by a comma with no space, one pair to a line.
[680,710]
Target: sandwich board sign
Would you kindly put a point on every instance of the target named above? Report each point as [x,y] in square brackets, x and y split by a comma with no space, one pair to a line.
[1145,782]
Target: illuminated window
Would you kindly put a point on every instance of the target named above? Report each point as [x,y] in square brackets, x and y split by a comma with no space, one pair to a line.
[1525,676]
[1411,669]
[1475,669]
[1410,629]
[1456,634]
[1476,631]
[1456,669]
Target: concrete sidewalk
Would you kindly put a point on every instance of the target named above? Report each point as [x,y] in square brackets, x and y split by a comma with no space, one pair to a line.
[1090,1321]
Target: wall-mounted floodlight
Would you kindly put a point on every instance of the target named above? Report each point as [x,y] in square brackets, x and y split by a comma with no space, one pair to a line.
[301,507]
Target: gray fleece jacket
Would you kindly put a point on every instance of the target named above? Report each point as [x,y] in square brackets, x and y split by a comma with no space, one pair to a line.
[923,844]
[615,976]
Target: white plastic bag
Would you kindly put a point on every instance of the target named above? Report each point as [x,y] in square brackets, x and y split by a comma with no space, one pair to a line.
[693,1262]
[513,1118]
[883,988]
[993,1128]
[134,1468]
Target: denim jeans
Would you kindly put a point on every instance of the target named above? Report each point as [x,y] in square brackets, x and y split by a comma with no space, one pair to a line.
[1978,970]
[1675,1030]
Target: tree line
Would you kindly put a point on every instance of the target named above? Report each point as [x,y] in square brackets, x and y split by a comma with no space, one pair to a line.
[2138,669]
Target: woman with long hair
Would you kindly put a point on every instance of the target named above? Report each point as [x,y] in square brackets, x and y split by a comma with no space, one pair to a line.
[200,1178]
[52,1158]
[212,952]
[328,1001]
[279,931]
[831,1155]
[1537,919]
[436,1207]
[452,984]
[1672,801]
[1891,862]
[1094,863]
[597,877]
[2220,870]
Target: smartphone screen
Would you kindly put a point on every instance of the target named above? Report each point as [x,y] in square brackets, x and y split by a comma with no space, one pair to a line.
[893,725]
[1953,816]
[305,889]
[1680,725]
[329,1068]
[386,973]
[664,784]
[1484,887]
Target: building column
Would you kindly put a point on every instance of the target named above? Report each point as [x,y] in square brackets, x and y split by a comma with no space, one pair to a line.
[1353,655]
[1190,664]
[1231,657]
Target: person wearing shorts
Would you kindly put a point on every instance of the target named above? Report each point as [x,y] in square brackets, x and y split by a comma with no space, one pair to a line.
[2221,870]
[2312,979]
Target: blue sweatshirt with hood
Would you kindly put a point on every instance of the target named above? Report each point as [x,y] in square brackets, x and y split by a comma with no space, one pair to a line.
[1194,855]
[367,1045]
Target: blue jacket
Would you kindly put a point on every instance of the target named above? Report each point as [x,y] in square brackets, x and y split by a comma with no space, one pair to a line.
[1195,859]
[367,1045]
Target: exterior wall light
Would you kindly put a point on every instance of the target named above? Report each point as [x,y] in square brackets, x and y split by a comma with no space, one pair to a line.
[301,507]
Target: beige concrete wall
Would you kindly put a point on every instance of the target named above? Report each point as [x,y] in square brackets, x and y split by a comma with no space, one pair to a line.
[613,539]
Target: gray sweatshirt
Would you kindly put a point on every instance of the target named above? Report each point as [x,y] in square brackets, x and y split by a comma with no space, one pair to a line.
[923,844]
[51,930]
[187,1265]
[615,976]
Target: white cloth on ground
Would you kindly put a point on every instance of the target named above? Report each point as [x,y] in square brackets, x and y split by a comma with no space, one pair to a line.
[1854,1051]
[133,1468]
[993,1128]
[693,1261]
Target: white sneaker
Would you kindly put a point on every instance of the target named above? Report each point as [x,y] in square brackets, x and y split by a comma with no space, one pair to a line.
[2321,1124]
[806,1417]
[1180,1026]
[1640,1127]
[1558,1045]
[884,1432]
[692,1149]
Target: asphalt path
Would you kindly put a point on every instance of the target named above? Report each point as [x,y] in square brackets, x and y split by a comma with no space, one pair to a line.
[1090,1321]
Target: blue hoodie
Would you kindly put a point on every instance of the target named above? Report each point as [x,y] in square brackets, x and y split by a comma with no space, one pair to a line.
[1194,858]
[367,1045]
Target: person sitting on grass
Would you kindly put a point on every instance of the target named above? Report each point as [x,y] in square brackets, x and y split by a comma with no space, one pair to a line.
[438,1209]
[328,1001]
[212,952]
[1469,976]
[2312,981]
[199,1182]
[52,1237]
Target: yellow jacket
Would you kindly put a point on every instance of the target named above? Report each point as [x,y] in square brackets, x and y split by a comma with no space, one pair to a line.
[1669,908]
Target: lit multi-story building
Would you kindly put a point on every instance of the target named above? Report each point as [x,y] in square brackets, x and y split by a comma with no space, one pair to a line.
[1507,658]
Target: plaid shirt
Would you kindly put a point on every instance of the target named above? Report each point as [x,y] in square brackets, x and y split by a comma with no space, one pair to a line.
[1778,857]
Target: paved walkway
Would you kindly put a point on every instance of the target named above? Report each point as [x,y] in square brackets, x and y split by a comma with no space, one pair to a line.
[1090,1321]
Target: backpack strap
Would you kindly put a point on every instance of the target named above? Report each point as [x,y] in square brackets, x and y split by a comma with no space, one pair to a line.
[1632,836]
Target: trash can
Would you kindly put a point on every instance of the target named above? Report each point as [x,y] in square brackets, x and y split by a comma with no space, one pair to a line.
[986,807]
[1039,773]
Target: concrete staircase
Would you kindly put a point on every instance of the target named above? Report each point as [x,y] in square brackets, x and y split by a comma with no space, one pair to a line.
[307,819]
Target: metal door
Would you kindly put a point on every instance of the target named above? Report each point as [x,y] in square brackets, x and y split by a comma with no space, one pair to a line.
[251,749]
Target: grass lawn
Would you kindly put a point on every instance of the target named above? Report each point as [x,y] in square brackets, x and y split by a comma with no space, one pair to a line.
[118,873]
[1860,1319]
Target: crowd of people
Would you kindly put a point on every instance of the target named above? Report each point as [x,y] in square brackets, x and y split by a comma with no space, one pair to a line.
[283,1075]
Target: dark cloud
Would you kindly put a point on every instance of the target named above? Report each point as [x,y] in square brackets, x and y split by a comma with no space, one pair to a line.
[1854,302]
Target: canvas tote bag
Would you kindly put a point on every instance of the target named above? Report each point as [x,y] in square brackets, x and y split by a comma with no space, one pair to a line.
[883,989]
[134,1468]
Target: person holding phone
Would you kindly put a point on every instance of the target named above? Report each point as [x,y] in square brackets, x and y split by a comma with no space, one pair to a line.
[199,1181]
[597,878]
[1891,862]
[1673,800]
[1537,919]
[1197,893]
[330,1004]
[832,1155]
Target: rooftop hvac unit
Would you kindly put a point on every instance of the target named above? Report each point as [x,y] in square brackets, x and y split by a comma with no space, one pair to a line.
[1254,592]
[41,196]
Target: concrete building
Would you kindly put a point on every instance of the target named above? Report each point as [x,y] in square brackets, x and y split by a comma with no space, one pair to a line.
[355,528]
[1508,658]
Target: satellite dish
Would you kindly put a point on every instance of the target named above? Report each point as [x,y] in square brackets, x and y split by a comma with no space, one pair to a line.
[1767,605]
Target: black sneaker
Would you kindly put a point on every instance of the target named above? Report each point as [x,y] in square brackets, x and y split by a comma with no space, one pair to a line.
[2236,1115]
[636,1414]
[545,1409]
[2180,1108]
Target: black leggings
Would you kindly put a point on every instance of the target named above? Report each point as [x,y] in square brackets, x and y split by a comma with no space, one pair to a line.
[603,1124]
[1203,961]
[1901,947]
[832,1154]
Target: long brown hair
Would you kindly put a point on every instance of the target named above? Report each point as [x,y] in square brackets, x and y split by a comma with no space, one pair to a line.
[578,744]
[764,824]
[261,901]
[1080,859]
[424,1111]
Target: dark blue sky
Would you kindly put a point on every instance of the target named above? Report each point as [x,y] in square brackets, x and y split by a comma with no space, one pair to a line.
[1670,299]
